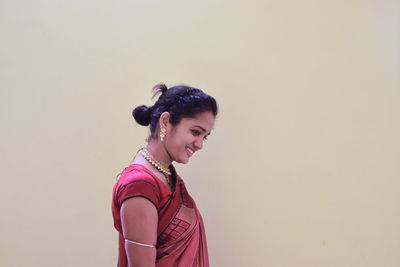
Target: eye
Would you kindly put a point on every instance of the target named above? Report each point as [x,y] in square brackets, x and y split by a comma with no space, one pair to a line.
[195,132]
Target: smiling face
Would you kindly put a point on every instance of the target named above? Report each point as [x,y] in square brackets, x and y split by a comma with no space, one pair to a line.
[185,138]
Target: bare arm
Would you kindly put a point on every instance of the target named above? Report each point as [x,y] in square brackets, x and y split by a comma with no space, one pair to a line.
[139,223]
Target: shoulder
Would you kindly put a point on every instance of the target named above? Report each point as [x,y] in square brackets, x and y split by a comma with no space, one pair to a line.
[135,181]
[135,173]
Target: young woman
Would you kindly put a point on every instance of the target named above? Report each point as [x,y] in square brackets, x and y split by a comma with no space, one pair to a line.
[158,222]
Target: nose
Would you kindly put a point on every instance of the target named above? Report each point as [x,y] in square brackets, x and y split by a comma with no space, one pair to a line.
[199,143]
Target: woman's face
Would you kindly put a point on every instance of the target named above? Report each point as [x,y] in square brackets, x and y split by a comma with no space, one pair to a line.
[184,139]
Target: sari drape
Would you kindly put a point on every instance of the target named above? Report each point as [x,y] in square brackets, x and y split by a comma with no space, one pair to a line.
[181,239]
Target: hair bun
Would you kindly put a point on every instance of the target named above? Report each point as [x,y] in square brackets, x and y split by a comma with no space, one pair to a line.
[159,88]
[142,115]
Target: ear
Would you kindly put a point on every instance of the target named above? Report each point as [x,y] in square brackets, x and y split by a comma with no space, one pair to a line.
[164,119]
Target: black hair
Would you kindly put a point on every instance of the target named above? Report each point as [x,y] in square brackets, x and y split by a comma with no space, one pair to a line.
[180,101]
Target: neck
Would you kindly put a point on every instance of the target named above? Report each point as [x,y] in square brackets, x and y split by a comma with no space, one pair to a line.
[159,152]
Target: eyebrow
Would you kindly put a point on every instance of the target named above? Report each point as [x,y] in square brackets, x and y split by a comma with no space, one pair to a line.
[204,130]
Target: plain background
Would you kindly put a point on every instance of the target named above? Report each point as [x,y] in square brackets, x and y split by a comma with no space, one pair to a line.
[302,168]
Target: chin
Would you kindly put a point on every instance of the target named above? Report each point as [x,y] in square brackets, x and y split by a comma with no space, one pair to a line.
[183,160]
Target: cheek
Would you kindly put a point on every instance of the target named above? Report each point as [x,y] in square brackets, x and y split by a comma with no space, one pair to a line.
[188,139]
[179,141]
[183,138]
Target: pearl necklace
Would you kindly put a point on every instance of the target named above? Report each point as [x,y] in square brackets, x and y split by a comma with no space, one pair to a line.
[146,154]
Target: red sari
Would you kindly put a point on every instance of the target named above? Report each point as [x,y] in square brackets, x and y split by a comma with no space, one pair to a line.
[181,240]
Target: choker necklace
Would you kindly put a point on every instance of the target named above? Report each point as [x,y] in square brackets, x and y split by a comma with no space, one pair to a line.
[146,154]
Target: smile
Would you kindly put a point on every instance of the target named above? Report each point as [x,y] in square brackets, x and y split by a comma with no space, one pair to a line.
[189,151]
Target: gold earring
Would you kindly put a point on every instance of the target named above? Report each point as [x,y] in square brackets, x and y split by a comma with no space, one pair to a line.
[163,132]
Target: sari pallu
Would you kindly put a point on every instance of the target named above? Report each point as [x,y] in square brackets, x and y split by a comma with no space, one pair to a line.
[181,240]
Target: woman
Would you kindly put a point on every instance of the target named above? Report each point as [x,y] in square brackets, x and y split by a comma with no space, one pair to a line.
[157,220]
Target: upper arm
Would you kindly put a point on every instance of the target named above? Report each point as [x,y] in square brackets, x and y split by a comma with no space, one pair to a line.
[139,199]
[139,221]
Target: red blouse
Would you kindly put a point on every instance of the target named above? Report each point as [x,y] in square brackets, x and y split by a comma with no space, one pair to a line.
[181,240]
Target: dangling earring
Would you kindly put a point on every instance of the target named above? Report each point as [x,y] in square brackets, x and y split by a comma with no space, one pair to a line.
[163,132]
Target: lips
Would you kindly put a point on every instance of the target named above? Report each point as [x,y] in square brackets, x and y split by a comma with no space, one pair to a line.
[189,151]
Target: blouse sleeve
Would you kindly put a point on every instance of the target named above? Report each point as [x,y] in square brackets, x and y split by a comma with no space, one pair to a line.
[140,188]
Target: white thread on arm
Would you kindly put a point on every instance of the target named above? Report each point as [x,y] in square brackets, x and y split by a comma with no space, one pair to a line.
[139,244]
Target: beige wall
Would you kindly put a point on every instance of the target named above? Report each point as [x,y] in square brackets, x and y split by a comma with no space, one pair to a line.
[302,169]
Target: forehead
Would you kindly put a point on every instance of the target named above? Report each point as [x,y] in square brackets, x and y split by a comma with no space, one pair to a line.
[205,120]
